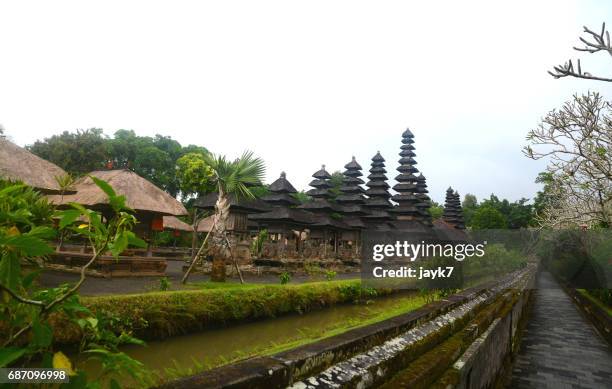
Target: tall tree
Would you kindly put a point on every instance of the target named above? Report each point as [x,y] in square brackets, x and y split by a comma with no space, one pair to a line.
[469,205]
[336,182]
[154,158]
[577,142]
[194,179]
[193,175]
[435,210]
[487,217]
[77,152]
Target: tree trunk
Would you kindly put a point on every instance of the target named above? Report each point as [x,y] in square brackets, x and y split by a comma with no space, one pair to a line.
[194,236]
[220,249]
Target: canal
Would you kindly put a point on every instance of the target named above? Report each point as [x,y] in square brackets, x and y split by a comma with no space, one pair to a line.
[187,354]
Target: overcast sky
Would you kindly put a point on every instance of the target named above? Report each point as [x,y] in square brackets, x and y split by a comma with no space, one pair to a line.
[304,83]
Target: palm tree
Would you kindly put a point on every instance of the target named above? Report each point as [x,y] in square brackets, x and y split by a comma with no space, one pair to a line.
[232,178]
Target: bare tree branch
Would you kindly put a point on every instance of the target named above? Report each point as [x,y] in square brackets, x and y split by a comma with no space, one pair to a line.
[593,43]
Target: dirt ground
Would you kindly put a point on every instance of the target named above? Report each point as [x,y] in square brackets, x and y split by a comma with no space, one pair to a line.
[94,286]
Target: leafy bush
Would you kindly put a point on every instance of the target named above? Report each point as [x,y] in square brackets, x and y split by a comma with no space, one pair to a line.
[603,295]
[330,275]
[258,242]
[284,278]
[497,260]
[313,270]
[164,284]
[576,257]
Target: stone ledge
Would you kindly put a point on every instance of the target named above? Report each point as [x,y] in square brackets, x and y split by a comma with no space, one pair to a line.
[596,314]
[254,373]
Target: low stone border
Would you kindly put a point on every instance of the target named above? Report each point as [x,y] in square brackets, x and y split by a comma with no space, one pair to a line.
[596,314]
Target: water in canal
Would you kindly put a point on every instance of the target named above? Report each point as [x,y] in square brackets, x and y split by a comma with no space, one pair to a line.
[214,347]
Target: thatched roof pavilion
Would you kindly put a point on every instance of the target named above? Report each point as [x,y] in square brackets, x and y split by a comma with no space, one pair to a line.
[176,224]
[149,202]
[141,195]
[18,164]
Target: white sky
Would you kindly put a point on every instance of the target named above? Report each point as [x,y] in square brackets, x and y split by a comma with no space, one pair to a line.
[304,83]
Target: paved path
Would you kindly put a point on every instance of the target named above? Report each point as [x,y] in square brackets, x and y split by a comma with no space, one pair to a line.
[560,348]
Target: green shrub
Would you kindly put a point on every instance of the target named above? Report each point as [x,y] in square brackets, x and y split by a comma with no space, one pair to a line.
[164,284]
[330,275]
[313,269]
[603,295]
[258,243]
[284,278]
[496,261]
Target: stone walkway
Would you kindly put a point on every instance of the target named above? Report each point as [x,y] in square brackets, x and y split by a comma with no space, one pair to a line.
[560,348]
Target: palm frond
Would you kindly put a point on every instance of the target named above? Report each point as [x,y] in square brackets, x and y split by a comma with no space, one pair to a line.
[237,176]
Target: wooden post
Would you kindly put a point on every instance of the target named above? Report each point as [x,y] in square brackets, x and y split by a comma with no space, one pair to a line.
[229,247]
[150,238]
[195,258]
[325,243]
[194,236]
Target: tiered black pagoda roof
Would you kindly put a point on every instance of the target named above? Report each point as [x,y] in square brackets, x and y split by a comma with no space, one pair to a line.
[351,198]
[453,213]
[406,186]
[378,203]
[424,200]
[320,193]
[321,205]
[281,192]
[281,200]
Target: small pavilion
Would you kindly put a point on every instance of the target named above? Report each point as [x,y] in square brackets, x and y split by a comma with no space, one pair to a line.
[326,229]
[287,226]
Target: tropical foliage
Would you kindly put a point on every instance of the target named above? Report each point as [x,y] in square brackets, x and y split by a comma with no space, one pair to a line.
[26,228]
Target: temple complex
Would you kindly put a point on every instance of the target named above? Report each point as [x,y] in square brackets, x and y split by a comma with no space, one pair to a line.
[325,228]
